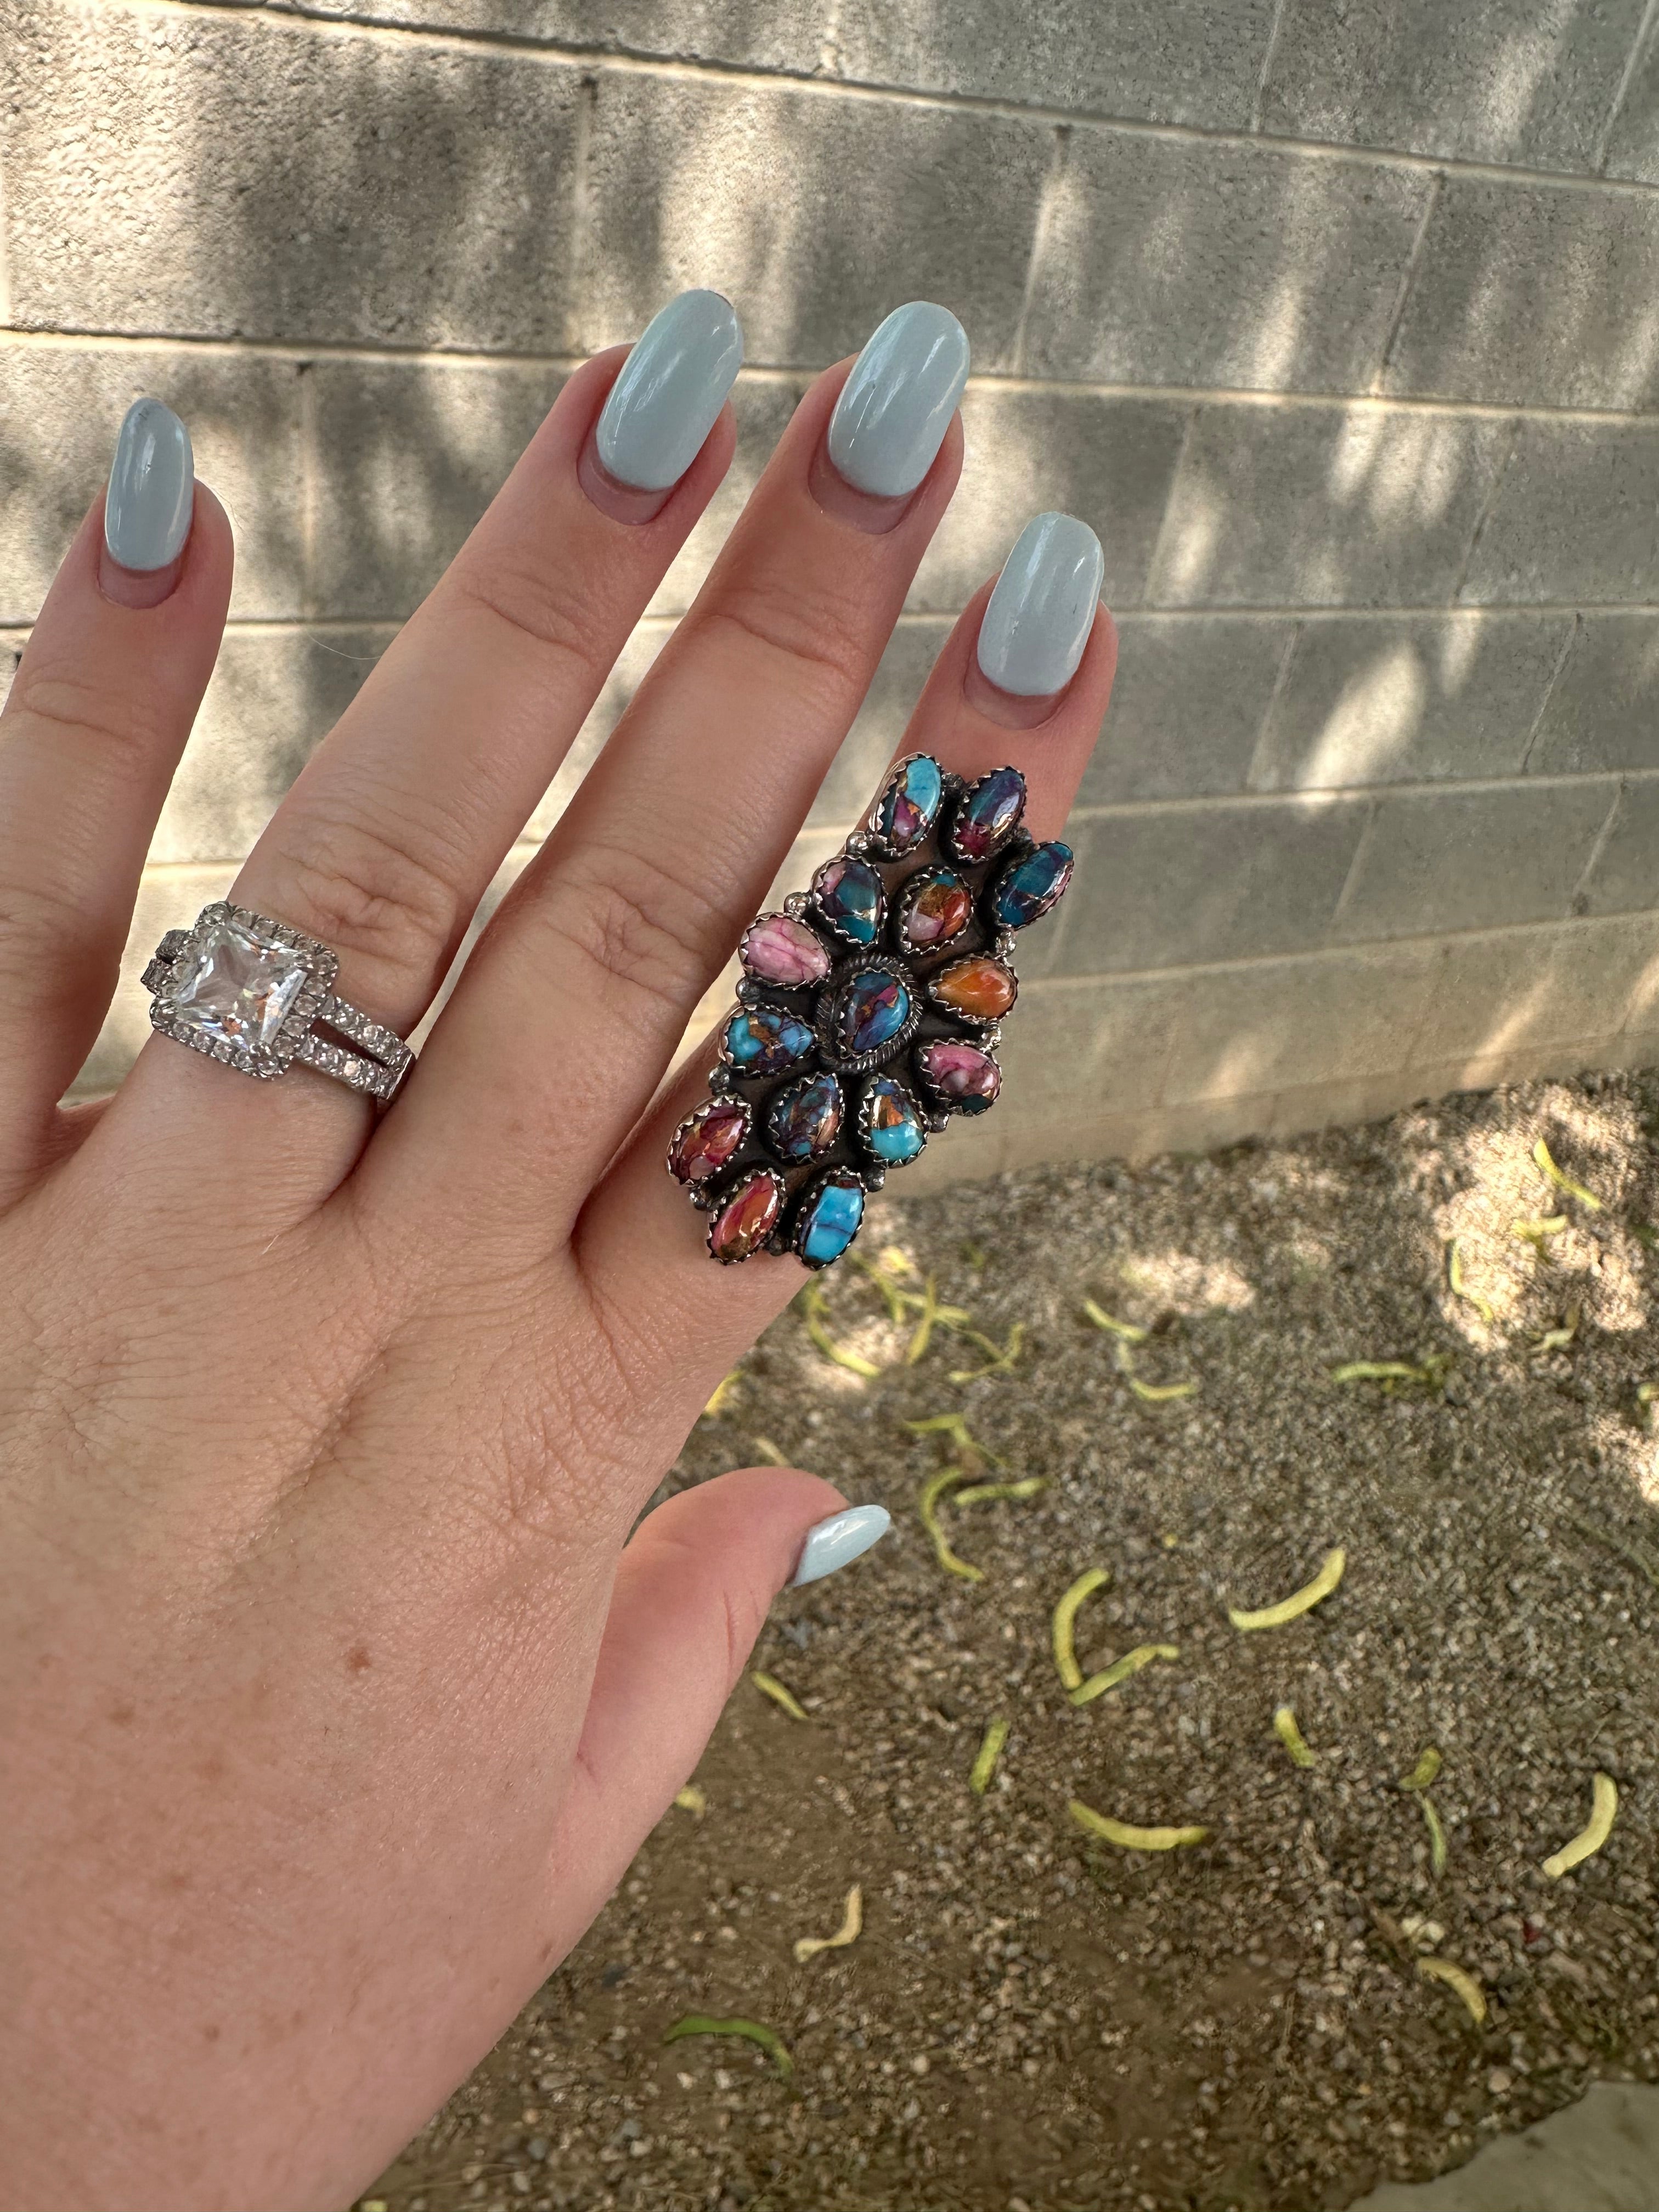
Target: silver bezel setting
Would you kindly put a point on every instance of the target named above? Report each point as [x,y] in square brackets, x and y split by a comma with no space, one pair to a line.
[753,1005]
[933,1096]
[377,1066]
[981,1022]
[839,1178]
[785,1088]
[827,920]
[963,801]
[771,1241]
[909,892]
[876,839]
[879,1160]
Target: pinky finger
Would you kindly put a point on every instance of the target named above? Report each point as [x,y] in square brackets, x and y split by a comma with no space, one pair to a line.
[98,714]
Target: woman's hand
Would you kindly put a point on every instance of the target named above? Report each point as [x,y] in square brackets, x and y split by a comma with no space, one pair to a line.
[337,1696]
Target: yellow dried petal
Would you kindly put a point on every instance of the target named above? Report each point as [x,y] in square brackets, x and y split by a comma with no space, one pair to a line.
[1458,1978]
[701,2023]
[986,1493]
[928,1507]
[763,1448]
[1483,1306]
[725,1391]
[1122,1669]
[1161,1393]
[1291,1736]
[691,1800]
[808,1947]
[1065,1624]
[1427,1767]
[769,1686]
[1437,1833]
[1130,1838]
[1299,1602]
[1541,1152]
[984,1766]
[815,1312]
[1604,1807]
[1128,1330]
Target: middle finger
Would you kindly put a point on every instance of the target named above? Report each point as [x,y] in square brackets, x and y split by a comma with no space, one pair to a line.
[580,993]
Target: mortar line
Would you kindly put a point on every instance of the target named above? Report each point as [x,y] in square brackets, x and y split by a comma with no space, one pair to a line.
[629,62]
[1322,798]
[1638,45]
[1040,230]
[1567,644]
[1268,52]
[1488,506]
[1282,678]
[1580,890]
[791,373]
[1408,278]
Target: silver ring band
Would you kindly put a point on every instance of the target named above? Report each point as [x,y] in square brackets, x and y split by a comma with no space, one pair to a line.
[253,994]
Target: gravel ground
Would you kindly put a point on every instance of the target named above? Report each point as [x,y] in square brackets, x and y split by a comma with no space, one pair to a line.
[1031,2020]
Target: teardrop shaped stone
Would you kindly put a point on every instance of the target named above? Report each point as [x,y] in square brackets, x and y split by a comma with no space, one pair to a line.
[988,814]
[893,1127]
[804,1119]
[980,989]
[778,949]
[830,1220]
[745,1220]
[873,1008]
[1026,889]
[938,908]
[908,805]
[767,1040]
[848,893]
[964,1076]
[707,1138]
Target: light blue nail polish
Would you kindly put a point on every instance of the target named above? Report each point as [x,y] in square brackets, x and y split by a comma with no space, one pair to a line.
[152,488]
[673,386]
[839,1540]
[1038,622]
[897,406]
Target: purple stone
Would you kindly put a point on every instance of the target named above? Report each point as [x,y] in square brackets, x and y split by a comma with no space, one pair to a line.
[766,1041]
[778,949]
[1026,889]
[987,815]
[804,1120]
[848,893]
[873,1007]
[908,805]
[962,1077]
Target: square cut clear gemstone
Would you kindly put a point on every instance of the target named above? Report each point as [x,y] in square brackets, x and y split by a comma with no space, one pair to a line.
[236,989]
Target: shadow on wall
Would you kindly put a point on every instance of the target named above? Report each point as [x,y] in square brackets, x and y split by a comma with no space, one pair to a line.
[1193,342]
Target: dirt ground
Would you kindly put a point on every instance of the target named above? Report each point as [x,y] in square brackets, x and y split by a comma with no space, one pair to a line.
[1032,2020]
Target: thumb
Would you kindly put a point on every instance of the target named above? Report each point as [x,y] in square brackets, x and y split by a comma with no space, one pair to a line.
[691,1592]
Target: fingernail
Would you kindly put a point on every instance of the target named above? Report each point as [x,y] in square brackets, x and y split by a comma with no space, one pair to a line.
[838,1541]
[152,488]
[672,387]
[897,406]
[1038,622]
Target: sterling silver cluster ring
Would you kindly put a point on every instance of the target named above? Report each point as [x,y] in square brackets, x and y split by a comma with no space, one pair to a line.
[254,995]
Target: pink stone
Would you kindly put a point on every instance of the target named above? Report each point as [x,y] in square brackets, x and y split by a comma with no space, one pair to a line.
[778,949]
[747,1217]
[963,1076]
[705,1140]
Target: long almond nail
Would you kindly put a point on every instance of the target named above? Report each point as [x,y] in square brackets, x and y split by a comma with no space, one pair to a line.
[152,489]
[670,391]
[836,1542]
[1037,620]
[896,407]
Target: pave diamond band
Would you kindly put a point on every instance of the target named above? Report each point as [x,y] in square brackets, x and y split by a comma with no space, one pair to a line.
[253,994]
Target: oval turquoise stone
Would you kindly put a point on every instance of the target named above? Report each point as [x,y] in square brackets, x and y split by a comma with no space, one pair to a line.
[848,895]
[804,1120]
[908,807]
[988,815]
[829,1221]
[893,1127]
[1025,890]
[874,1007]
[766,1041]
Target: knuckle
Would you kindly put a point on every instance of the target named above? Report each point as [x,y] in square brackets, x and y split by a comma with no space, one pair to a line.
[513,593]
[127,727]
[386,892]
[652,935]
[819,631]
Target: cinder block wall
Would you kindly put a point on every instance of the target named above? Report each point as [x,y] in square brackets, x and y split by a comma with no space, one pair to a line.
[1336,321]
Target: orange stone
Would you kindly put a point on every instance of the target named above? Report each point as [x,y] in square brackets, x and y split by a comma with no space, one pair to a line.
[981,988]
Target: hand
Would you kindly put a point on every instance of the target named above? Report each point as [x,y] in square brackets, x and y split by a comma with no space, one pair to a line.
[337,1695]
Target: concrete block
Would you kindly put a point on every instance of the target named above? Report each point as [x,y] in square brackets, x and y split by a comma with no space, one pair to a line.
[1524,83]
[1409,699]
[819,215]
[1491,996]
[1480,859]
[1168,61]
[60,408]
[1633,139]
[258,176]
[765,34]
[1524,293]
[1091,1047]
[1626,876]
[1111,461]
[1603,710]
[1195,263]
[1248,1033]
[1318,505]
[274,696]
[1187,707]
[1576,518]
[1162,887]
